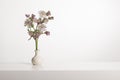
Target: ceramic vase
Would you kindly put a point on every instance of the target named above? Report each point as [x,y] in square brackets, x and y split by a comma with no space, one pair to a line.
[36,59]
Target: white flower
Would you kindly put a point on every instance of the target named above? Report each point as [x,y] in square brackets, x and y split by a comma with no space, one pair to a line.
[41,27]
[42,13]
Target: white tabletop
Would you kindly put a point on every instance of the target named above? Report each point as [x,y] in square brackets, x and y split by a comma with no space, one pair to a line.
[82,66]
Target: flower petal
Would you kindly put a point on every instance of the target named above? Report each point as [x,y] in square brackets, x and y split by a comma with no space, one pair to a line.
[42,13]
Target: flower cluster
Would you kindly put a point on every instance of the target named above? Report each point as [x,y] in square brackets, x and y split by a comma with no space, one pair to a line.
[37,26]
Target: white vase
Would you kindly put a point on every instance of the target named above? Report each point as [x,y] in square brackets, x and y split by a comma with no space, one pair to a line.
[36,59]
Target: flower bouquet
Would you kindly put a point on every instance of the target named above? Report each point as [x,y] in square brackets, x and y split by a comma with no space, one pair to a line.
[36,27]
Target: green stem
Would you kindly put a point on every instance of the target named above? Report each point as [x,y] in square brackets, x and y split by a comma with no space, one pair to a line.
[36,44]
[33,27]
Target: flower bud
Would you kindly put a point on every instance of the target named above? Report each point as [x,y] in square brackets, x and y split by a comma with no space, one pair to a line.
[50,18]
[48,13]
[27,15]
[47,33]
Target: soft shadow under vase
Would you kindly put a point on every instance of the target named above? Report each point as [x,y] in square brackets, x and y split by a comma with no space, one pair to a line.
[36,59]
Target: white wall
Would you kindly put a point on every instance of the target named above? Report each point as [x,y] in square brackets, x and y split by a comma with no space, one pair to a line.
[83,30]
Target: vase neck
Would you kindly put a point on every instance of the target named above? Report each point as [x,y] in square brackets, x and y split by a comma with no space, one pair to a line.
[36,52]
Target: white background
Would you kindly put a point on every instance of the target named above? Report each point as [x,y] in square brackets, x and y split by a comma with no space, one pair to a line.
[83,30]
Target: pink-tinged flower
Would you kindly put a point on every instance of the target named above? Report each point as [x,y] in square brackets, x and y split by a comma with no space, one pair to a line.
[27,15]
[36,35]
[45,20]
[39,21]
[35,20]
[32,16]
[28,23]
[30,33]
[41,28]
[48,13]
[42,14]
[47,33]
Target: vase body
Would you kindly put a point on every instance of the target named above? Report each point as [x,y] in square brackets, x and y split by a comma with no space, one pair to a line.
[36,59]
